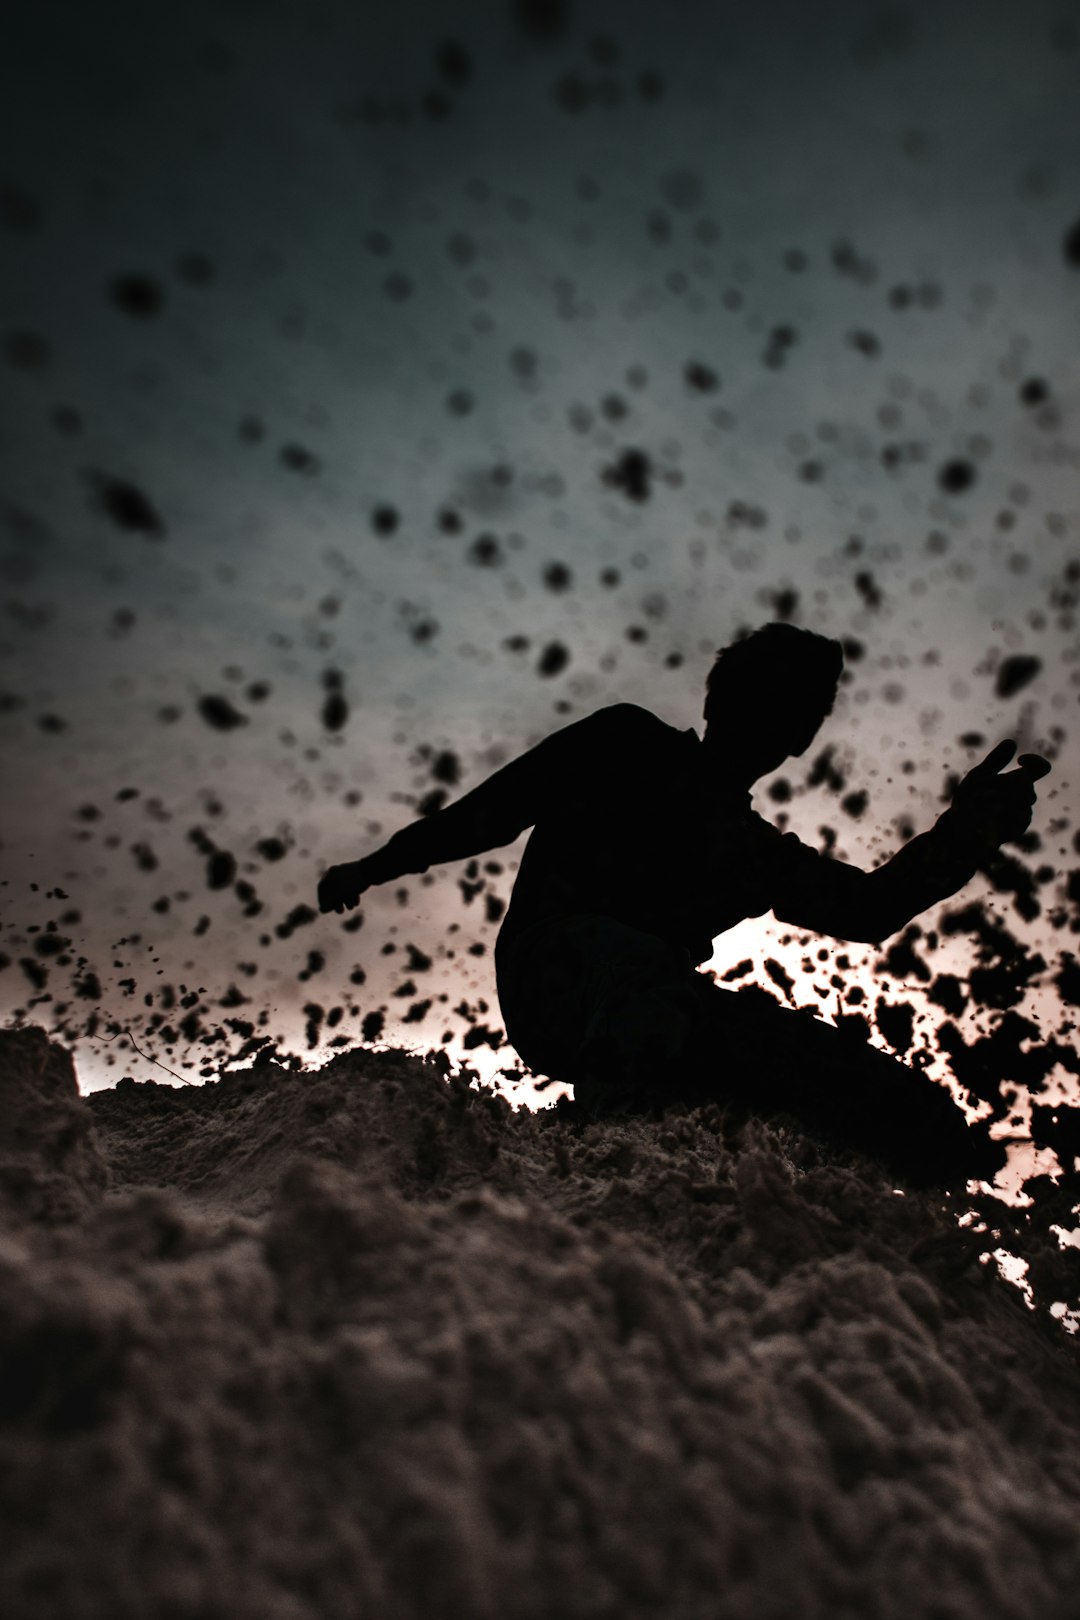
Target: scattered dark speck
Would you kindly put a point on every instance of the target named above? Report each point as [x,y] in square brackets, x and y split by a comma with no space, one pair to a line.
[1015,673]
[631,474]
[868,589]
[486,551]
[372,1026]
[701,377]
[446,767]
[553,659]
[896,1022]
[865,342]
[424,630]
[137,294]
[956,476]
[126,504]
[335,711]
[297,459]
[218,712]
[557,577]
[220,869]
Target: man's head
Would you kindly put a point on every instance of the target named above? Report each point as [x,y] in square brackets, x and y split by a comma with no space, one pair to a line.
[767,695]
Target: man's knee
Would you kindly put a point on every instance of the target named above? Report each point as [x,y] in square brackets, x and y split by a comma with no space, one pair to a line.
[657,1023]
[637,1050]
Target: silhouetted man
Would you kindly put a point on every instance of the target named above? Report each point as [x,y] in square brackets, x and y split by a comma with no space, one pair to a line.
[645,848]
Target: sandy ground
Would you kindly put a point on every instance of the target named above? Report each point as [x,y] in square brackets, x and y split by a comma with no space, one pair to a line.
[365,1342]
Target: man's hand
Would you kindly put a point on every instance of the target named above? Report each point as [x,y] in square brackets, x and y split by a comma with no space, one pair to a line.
[341,886]
[997,808]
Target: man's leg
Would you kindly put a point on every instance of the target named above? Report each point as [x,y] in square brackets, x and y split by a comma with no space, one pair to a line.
[598,1004]
[644,1011]
[850,1090]
[640,1050]
[682,1038]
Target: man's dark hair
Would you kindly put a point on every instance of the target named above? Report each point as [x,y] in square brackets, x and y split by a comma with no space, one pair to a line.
[799,666]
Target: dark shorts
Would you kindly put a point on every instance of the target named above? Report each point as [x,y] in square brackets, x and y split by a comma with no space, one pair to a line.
[625,1018]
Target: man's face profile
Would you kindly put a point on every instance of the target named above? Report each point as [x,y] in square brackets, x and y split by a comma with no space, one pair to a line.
[758,726]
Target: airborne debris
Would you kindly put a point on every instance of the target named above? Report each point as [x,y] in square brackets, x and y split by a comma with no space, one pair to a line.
[127,505]
[219,712]
[1014,673]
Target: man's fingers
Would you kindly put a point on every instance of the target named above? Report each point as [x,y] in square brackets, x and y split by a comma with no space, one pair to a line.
[995,761]
[1034,766]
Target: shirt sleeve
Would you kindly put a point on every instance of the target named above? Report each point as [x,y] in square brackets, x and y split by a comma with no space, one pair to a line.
[832,897]
[547,778]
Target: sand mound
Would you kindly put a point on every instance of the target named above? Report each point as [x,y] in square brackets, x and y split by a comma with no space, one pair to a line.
[51,1168]
[364,1342]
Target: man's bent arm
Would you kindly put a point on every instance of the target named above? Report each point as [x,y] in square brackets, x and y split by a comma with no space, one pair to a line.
[493,814]
[831,897]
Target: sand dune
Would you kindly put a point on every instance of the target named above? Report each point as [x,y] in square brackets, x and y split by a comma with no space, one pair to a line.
[364,1342]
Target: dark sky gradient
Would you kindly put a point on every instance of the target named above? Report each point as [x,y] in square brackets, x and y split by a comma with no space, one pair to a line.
[323,329]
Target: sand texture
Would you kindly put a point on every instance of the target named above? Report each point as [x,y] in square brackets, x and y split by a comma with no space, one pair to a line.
[363,1342]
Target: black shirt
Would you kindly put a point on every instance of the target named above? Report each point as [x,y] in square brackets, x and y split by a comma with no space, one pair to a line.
[633,820]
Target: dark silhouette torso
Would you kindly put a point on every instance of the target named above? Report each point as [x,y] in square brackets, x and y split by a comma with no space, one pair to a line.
[648,836]
[634,820]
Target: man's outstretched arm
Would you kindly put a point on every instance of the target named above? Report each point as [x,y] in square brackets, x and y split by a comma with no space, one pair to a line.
[492,814]
[988,809]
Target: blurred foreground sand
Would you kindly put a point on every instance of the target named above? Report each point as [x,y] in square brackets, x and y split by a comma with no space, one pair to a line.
[365,1342]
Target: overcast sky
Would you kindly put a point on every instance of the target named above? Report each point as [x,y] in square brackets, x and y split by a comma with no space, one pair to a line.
[478,366]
